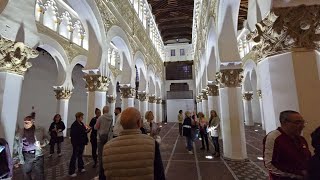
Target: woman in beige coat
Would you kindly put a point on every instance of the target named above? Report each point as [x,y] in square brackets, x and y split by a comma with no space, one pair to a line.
[214,128]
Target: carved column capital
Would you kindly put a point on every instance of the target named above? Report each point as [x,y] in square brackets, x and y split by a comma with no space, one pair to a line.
[230,77]
[96,82]
[199,98]
[213,90]
[14,56]
[127,92]
[158,101]
[111,99]
[62,93]
[204,95]
[247,96]
[259,93]
[152,98]
[142,96]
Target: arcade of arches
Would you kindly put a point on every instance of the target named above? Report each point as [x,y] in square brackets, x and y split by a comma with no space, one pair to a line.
[250,60]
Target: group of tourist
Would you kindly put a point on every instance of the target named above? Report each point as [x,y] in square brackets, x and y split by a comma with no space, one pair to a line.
[130,147]
[191,125]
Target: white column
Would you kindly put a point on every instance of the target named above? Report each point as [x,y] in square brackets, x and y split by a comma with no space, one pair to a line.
[143,104]
[97,86]
[112,103]
[63,97]
[158,107]
[247,97]
[10,91]
[127,96]
[153,106]
[12,70]
[205,103]
[232,126]
[213,99]
[137,103]
[200,105]
[261,109]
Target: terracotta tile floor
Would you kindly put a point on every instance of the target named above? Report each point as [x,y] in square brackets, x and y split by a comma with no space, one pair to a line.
[177,162]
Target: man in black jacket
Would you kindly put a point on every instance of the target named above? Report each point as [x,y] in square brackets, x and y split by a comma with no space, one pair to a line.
[79,139]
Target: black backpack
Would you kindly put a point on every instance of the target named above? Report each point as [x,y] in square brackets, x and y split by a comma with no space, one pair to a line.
[4,167]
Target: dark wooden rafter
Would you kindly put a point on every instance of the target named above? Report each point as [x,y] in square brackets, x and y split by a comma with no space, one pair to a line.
[243,11]
[174,18]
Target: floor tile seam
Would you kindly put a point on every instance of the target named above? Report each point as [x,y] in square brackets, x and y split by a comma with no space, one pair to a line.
[168,132]
[196,161]
[263,170]
[254,147]
[225,163]
[171,155]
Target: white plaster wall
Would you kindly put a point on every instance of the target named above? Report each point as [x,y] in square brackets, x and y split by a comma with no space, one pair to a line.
[78,100]
[187,50]
[37,90]
[278,88]
[174,105]
[18,18]
[286,3]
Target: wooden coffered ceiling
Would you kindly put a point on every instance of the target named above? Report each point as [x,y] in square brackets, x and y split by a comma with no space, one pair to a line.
[174,19]
[243,11]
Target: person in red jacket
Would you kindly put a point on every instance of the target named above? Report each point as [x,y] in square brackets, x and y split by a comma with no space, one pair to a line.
[285,151]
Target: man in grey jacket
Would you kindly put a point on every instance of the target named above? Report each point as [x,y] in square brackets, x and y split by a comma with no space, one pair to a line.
[103,127]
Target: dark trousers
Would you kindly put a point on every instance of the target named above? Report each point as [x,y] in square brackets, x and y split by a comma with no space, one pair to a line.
[189,143]
[180,129]
[33,164]
[77,153]
[102,142]
[94,146]
[215,141]
[204,137]
[58,147]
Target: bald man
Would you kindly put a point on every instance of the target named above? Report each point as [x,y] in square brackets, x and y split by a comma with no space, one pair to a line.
[132,155]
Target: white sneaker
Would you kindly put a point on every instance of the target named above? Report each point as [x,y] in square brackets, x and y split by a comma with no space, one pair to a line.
[190,152]
[59,154]
[50,155]
[73,175]
[83,170]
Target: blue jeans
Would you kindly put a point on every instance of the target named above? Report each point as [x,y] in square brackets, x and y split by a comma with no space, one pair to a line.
[189,143]
[35,164]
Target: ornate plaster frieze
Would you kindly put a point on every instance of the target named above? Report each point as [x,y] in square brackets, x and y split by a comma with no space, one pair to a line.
[230,77]
[14,56]
[259,93]
[132,26]
[111,99]
[127,92]
[213,90]
[287,28]
[152,99]
[96,82]
[143,96]
[72,49]
[62,93]
[204,95]
[107,16]
[115,71]
[247,96]
[158,100]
